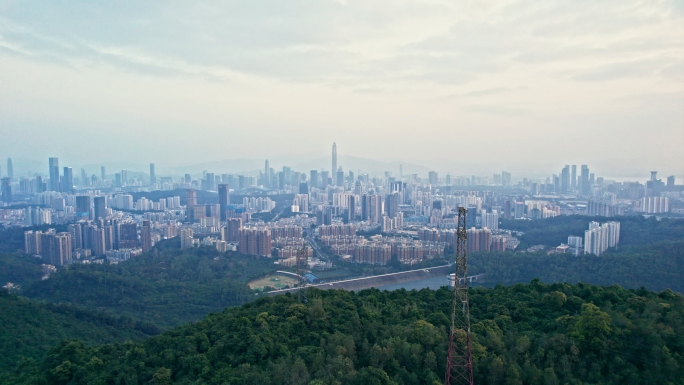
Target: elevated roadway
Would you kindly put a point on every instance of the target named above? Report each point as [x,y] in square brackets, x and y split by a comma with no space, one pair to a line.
[383,280]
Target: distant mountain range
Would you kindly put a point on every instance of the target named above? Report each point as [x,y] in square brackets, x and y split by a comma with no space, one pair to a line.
[252,166]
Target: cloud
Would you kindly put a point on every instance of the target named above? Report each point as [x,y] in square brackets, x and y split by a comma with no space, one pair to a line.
[631,69]
[311,69]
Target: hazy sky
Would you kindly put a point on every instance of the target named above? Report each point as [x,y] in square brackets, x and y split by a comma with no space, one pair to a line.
[516,84]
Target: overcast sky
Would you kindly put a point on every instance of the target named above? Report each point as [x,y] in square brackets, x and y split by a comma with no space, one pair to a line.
[520,85]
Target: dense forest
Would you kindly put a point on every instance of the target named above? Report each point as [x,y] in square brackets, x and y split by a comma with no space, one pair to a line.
[634,230]
[165,288]
[20,269]
[657,267]
[522,334]
[30,328]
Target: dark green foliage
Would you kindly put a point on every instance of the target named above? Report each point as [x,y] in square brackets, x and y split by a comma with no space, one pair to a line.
[164,288]
[20,269]
[523,334]
[656,267]
[634,230]
[28,329]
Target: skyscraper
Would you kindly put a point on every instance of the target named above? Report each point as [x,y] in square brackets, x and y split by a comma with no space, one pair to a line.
[314,178]
[586,186]
[10,169]
[100,207]
[224,200]
[103,174]
[573,180]
[68,180]
[6,190]
[128,236]
[83,207]
[392,204]
[267,174]
[565,179]
[54,174]
[84,177]
[153,176]
[334,159]
[351,213]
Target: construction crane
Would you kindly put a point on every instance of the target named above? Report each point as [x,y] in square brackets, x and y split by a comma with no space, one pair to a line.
[459,365]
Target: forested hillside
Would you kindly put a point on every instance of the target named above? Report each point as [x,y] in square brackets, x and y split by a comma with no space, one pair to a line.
[29,328]
[523,334]
[165,288]
[657,267]
[20,269]
[634,230]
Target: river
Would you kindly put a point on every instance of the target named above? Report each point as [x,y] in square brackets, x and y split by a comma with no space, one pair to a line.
[430,283]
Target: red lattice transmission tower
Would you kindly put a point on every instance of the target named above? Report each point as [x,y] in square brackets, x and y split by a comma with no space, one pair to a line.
[459,366]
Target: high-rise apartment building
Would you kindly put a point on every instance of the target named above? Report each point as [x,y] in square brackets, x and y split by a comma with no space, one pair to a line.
[231,233]
[490,220]
[478,240]
[224,200]
[584,181]
[10,169]
[55,248]
[68,180]
[128,236]
[82,207]
[6,187]
[339,180]
[351,209]
[255,241]
[565,179]
[54,174]
[186,236]
[670,181]
[153,175]
[146,236]
[573,178]
[325,179]
[505,178]
[267,174]
[655,205]
[32,242]
[99,207]
[190,203]
[600,237]
[371,208]
[392,205]
[334,159]
[313,175]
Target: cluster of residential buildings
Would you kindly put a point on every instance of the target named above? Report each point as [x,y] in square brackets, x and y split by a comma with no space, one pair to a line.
[597,239]
[108,217]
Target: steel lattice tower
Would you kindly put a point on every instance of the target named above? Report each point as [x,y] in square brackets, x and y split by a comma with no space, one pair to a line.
[459,366]
[302,258]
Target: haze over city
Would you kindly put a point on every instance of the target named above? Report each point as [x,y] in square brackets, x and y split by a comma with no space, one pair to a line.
[460,88]
[342,192]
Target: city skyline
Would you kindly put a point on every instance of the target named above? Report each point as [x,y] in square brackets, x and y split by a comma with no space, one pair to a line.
[515,84]
[373,167]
